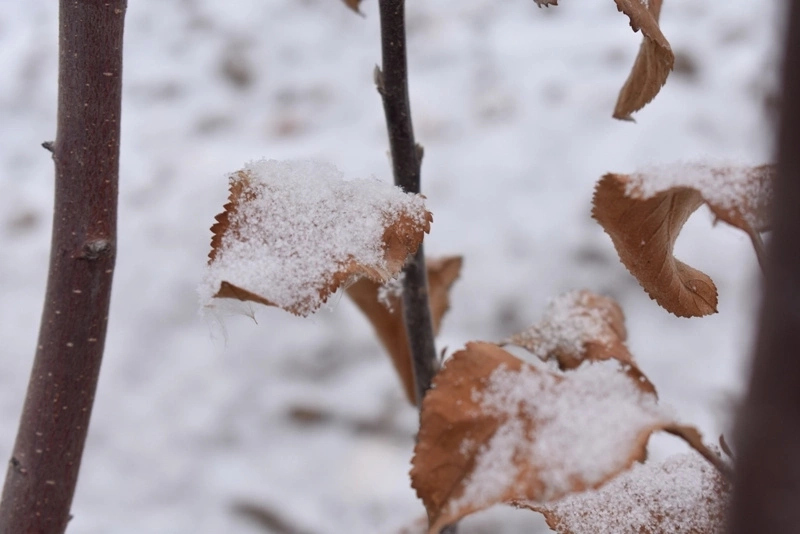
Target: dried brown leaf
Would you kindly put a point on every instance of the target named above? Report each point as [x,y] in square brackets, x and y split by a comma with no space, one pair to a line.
[644,213]
[653,63]
[578,326]
[387,316]
[497,430]
[354,5]
[277,244]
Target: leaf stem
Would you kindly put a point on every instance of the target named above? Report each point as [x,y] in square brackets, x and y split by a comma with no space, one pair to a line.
[43,471]
[392,84]
[692,437]
[758,246]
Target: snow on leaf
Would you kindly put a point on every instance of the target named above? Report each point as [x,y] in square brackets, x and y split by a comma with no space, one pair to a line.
[497,430]
[644,213]
[388,320]
[653,63]
[546,3]
[577,326]
[682,495]
[293,232]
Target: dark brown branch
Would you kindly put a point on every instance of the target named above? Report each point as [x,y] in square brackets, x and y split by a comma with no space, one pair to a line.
[43,470]
[392,83]
[767,490]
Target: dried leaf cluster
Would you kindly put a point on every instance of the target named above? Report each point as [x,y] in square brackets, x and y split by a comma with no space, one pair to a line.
[565,433]
[497,429]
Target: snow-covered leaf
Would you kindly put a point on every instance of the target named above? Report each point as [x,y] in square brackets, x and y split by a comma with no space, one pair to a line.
[293,232]
[653,63]
[386,314]
[682,495]
[644,213]
[577,326]
[497,430]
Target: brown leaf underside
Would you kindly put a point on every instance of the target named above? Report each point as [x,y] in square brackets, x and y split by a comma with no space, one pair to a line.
[388,323]
[653,63]
[644,234]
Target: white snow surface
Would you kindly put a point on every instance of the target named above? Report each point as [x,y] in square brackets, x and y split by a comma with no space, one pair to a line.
[586,427]
[513,106]
[299,225]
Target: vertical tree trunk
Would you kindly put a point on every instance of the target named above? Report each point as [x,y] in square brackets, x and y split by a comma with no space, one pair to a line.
[767,493]
[43,470]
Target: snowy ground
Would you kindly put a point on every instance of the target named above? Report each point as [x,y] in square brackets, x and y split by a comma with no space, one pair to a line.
[304,417]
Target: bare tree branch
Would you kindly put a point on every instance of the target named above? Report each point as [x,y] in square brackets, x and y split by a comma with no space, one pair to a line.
[43,470]
[392,84]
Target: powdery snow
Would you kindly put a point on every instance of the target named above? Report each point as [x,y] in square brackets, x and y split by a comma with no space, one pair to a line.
[304,224]
[391,290]
[567,324]
[729,187]
[683,495]
[585,427]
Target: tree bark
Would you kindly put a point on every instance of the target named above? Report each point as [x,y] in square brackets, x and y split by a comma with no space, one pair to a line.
[767,490]
[43,470]
[392,83]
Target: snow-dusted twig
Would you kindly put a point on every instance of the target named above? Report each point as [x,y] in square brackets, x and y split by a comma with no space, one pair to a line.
[392,83]
[43,470]
[768,428]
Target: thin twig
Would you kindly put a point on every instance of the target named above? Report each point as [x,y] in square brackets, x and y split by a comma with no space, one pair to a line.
[43,470]
[392,84]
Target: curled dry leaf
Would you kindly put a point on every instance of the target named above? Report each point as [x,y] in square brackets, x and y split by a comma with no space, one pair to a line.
[682,495]
[294,232]
[386,315]
[577,326]
[497,430]
[653,63]
[644,213]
